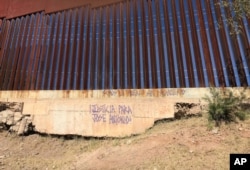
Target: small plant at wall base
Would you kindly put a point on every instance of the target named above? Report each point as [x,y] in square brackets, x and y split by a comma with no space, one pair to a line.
[225,106]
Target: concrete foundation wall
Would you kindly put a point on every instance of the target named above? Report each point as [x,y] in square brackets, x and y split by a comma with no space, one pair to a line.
[113,113]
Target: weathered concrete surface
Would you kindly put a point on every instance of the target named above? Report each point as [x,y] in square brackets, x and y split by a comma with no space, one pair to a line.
[113,113]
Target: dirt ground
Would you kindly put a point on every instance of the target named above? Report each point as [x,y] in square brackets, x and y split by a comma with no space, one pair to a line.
[180,144]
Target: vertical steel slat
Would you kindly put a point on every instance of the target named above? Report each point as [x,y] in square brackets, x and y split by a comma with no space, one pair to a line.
[100,51]
[21,53]
[112,50]
[149,69]
[7,60]
[39,82]
[66,68]
[37,52]
[144,45]
[225,48]
[54,55]
[96,52]
[115,52]
[4,39]
[73,58]
[26,58]
[91,63]
[160,47]
[178,46]
[246,49]
[121,44]
[215,45]
[205,49]
[169,46]
[152,47]
[129,53]
[45,55]
[224,73]
[132,45]
[1,33]
[79,50]
[49,57]
[104,56]
[237,56]
[121,83]
[246,42]
[62,47]
[11,68]
[137,55]
[65,54]
[196,46]
[124,47]
[140,61]
[16,54]
[111,47]
[25,53]
[118,48]
[4,29]
[32,52]
[87,48]
[187,46]
[107,57]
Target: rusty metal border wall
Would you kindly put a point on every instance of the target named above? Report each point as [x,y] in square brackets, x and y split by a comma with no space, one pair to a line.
[133,44]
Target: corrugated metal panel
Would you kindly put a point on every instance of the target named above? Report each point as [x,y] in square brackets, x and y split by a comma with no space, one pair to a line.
[132,44]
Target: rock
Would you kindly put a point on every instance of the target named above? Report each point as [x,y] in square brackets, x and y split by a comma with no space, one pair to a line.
[215,130]
[17,116]
[22,127]
[7,113]
[129,142]
[2,156]
[240,129]
[10,121]
[16,108]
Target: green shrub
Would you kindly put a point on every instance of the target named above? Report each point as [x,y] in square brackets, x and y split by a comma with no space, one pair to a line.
[225,106]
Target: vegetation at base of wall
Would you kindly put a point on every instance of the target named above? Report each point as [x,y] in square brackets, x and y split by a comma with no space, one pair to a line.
[226,106]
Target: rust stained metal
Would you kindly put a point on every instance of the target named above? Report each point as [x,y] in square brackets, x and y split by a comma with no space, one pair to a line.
[152,47]
[132,44]
[37,52]
[215,46]
[11,56]
[178,45]
[226,53]
[128,75]
[237,57]
[205,47]
[196,45]
[6,62]
[160,47]
[169,46]
[190,67]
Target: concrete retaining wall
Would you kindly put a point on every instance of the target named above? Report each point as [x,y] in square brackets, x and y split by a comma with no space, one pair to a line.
[113,113]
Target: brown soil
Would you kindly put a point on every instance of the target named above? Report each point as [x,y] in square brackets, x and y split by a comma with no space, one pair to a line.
[182,144]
